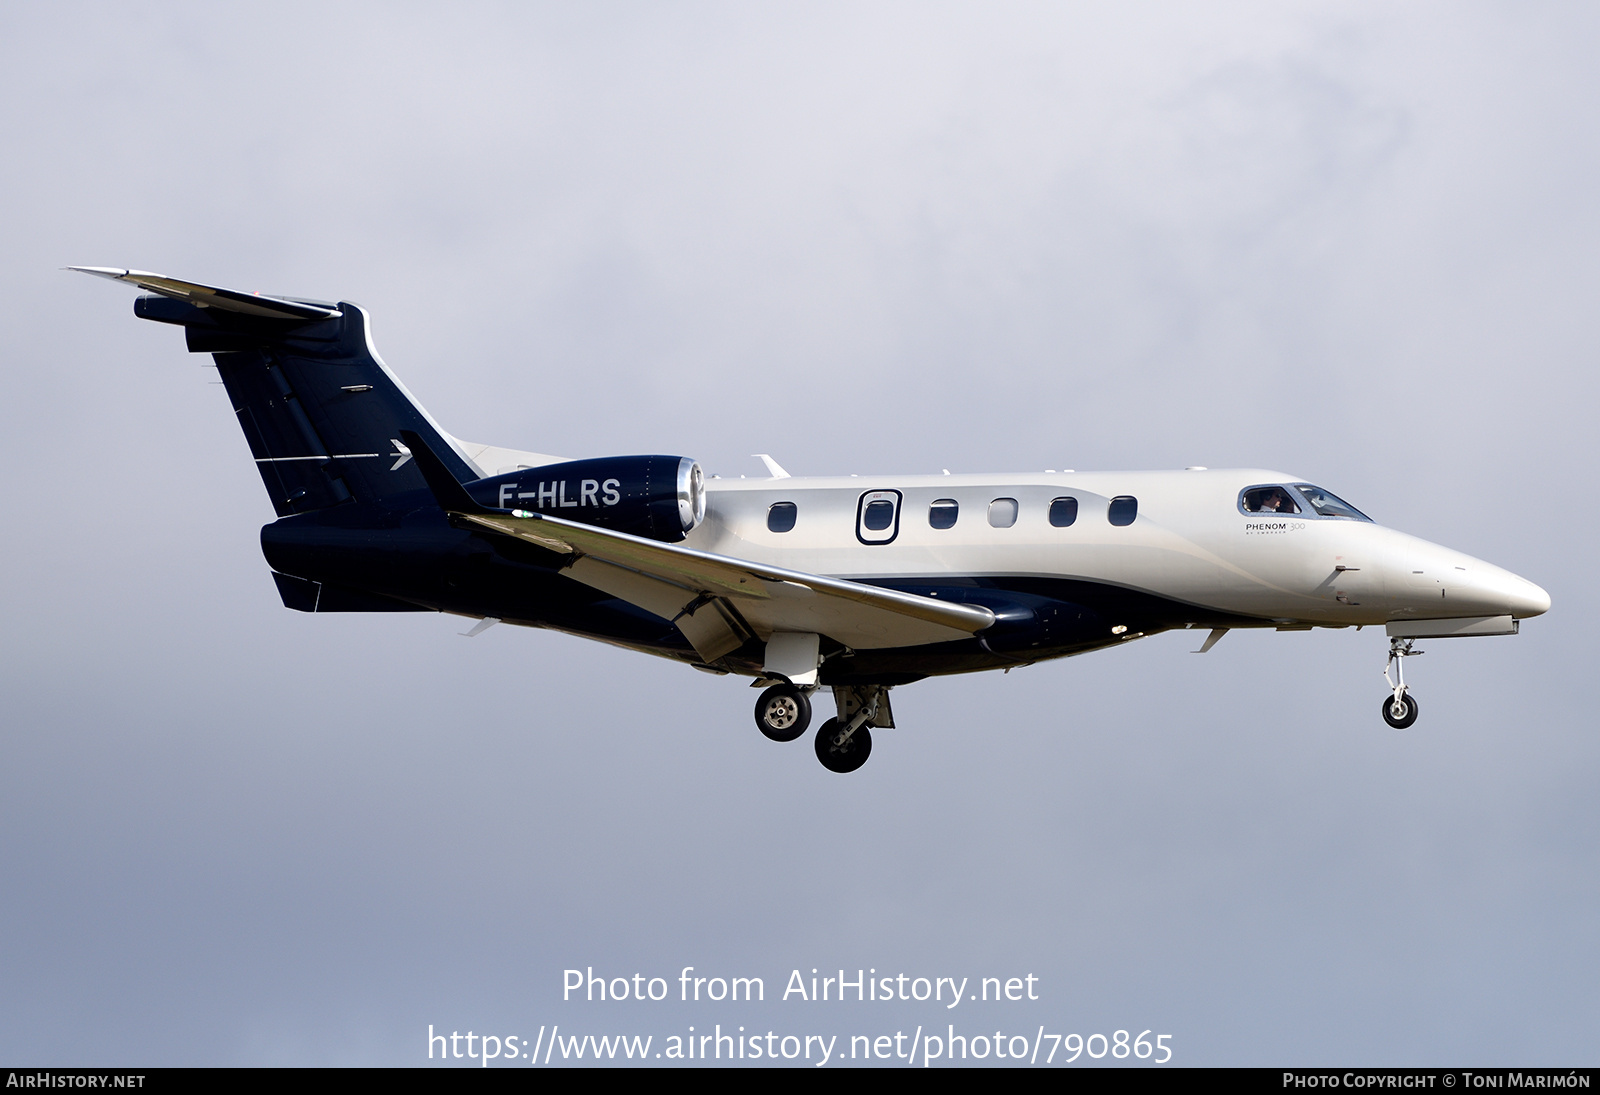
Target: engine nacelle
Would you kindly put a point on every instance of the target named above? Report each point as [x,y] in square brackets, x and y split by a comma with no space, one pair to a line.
[659,497]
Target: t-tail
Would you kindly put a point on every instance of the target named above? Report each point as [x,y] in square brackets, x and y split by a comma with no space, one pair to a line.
[323,415]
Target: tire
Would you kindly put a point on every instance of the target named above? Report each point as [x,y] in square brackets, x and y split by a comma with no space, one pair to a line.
[852,756]
[1410,716]
[783,712]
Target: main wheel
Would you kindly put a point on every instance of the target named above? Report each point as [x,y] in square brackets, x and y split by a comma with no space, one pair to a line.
[1407,715]
[783,712]
[848,757]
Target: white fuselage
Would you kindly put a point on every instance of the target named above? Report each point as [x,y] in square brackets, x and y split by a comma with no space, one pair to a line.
[1191,543]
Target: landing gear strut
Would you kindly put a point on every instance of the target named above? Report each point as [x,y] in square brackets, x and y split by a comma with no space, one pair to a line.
[843,748]
[1399,710]
[783,712]
[844,743]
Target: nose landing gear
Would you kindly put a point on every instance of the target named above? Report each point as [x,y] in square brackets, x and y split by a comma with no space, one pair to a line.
[1399,710]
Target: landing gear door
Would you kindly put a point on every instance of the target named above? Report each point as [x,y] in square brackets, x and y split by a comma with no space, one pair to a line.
[878,517]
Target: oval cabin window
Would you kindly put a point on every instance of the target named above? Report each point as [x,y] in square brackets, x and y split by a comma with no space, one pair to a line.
[1124,508]
[943,512]
[1063,511]
[780,518]
[878,516]
[1003,512]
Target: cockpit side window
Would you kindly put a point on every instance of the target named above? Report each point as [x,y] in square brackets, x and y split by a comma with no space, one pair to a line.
[1268,500]
[1328,504]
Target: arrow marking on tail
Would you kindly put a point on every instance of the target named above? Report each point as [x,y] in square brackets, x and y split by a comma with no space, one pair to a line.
[401,451]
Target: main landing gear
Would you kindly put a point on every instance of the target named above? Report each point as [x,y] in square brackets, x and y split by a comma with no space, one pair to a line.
[843,743]
[844,746]
[1399,710]
[783,712]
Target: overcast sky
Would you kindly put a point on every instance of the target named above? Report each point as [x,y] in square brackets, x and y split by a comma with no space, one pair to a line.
[1356,242]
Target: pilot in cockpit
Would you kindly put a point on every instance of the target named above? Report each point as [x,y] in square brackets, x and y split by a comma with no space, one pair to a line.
[1269,500]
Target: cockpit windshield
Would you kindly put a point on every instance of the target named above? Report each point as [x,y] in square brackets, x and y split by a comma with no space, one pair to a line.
[1328,504]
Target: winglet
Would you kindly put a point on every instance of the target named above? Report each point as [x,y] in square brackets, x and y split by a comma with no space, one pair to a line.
[447,490]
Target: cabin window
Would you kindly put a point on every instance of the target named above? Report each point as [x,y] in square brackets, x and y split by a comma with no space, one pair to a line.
[1124,508]
[1328,504]
[878,517]
[1268,500]
[1003,512]
[1063,511]
[943,512]
[780,518]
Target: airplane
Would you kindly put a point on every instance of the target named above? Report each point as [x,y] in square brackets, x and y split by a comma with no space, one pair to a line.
[855,584]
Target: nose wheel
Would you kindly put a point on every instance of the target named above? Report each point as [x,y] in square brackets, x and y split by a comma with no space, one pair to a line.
[1400,709]
[1400,713]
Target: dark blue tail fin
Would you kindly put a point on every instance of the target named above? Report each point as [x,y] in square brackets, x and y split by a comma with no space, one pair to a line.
[322,413]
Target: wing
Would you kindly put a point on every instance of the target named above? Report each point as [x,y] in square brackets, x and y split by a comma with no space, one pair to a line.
[720,602]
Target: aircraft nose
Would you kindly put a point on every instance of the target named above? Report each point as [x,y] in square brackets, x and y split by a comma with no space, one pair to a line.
[1513,594]
[1439,578]
[1528,600]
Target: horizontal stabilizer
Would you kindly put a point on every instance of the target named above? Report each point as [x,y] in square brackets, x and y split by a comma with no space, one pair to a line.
[211,296]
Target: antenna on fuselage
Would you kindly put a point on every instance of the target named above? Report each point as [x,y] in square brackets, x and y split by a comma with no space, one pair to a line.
[773,467]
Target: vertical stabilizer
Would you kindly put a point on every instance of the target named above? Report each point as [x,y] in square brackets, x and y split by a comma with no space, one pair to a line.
[321,412]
